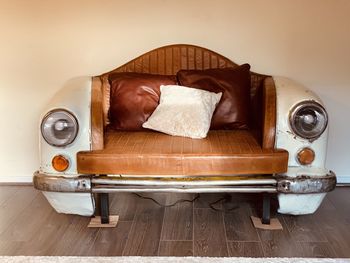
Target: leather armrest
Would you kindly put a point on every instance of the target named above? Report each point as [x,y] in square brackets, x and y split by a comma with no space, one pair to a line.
[97,126]
[269,114]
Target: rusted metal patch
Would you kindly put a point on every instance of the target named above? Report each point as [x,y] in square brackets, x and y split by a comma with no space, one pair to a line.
[61,184]
[305,184]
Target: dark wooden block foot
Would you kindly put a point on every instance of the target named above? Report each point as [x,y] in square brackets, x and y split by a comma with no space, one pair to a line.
[104,208]
[266,209]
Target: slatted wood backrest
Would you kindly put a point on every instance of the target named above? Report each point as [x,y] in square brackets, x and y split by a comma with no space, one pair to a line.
[168,60]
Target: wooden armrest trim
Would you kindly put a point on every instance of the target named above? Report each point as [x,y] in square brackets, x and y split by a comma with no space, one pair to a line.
[269,114]
[96,114]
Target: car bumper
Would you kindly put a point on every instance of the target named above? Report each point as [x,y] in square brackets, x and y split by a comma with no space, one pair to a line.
[301,184]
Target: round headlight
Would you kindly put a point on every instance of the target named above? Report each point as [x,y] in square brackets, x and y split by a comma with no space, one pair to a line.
[308,119]
[59,128]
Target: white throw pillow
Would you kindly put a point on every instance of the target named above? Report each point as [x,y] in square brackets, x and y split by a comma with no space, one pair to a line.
[183,111]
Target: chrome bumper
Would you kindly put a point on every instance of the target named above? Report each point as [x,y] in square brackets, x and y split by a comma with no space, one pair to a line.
[240,184]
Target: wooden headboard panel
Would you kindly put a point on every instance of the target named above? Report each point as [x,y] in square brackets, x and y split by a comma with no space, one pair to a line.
[168,60]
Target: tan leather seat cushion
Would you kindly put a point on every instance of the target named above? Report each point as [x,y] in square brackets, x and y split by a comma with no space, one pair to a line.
[152,153]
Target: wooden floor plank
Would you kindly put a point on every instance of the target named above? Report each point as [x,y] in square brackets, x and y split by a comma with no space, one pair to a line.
[29,226]
[341,200]
[145,231]
[339,240]
[47,236]
[333,221]
[6,192]
[111,241]
[124,205]
[279,243]
[178,219]
[336,228]
[304,228]
[245,249]
[310,228]
[31,220]
[12,208]
[10,248]
[317,250]
[77,239]
[209,233]
[176,248]
[239,226]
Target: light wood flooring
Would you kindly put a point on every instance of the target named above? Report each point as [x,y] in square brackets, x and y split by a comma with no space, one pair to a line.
[29,226]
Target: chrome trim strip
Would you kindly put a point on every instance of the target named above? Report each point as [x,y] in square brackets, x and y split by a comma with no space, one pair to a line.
[203,189]
[181,181]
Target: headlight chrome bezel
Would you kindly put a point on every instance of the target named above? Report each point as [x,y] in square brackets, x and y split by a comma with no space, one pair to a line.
[71,116]
[313,105]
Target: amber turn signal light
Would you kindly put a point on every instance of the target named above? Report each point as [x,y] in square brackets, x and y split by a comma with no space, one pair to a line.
[60,163]
[306,156]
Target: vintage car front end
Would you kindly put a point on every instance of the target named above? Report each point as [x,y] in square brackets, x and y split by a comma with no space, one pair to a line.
[301,129]
[64,131]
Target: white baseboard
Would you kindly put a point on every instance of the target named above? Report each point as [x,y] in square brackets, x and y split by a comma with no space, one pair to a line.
[16,179]
[343,179]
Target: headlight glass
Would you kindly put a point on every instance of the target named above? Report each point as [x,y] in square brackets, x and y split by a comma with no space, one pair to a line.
[59,128]
[308,119]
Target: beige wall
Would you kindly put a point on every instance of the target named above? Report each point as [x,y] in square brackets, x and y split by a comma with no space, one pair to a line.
[43,43]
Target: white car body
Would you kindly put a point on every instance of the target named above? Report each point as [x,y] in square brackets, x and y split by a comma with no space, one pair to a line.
[76,98]
[290,93]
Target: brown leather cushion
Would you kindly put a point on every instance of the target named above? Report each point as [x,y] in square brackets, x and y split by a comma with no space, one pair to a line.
[153,153]
[134,97]
[232,111]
